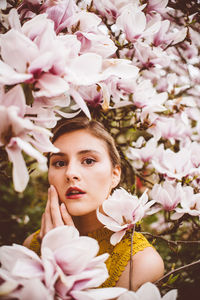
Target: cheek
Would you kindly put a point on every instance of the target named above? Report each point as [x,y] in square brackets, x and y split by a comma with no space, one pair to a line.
[51,177]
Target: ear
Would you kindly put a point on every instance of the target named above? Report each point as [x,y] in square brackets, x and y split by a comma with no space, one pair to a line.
[116,175]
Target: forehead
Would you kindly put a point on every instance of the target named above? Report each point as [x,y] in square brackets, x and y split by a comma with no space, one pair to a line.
[78,140]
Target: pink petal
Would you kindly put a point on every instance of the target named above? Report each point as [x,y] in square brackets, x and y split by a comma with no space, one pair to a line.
[26,147]
[50,85]
[16,97]
[75,256]
[108,222]
[59,236]
[117,236]
[9,76]
[85,69]
[10,254]
[35,289]
[20,172]
[13,44]
[103,293]
[79,100]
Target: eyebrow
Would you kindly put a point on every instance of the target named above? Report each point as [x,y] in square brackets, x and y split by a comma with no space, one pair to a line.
[79,153]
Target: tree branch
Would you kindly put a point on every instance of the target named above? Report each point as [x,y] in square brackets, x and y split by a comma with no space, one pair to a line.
[178,270]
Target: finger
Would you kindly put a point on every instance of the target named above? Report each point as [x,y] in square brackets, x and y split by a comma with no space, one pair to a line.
[54,208]
[48,224]
[41,233]
[66,216]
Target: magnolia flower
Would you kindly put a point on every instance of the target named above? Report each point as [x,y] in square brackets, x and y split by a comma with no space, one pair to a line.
[61,13]
[68,268]
[123,211]
[148,291]
[3,4]
[189,204]
[18,133]
[157,5]
[173,164]
[168,194]
[169,128]
[134,23]
[43,63]
[145,153]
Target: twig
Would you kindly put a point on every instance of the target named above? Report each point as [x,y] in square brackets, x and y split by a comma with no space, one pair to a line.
[170,241]
[178,270]
[131,263]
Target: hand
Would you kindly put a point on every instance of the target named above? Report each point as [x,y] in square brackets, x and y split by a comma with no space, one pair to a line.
[55,215]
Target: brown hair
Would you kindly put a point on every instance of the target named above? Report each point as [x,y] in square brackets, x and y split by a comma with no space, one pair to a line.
[95,128]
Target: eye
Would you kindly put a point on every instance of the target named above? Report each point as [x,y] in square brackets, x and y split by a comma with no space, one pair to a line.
[89,161]
[59,163]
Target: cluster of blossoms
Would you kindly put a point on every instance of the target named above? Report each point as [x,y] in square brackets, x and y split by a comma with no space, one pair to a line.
[60,57]
[68,269]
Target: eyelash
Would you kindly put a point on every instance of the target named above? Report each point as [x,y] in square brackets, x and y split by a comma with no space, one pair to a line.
[55,164]
[84,162]
[92,160]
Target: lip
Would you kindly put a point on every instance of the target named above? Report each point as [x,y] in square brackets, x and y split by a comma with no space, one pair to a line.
[74,196]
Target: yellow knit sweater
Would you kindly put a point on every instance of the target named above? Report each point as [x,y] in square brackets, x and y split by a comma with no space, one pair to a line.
[119,254]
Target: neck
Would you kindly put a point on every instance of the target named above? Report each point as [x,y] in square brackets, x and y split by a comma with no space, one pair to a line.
[87,223]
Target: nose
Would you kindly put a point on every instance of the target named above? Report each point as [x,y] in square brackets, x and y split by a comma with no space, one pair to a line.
[72,172]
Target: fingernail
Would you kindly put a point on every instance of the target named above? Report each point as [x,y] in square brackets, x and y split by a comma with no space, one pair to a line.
[62,206]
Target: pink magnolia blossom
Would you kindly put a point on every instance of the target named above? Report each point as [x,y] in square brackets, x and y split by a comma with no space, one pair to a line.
[134,23]
[145,153]
[165,35]
[97,43]
[169,128]
[3,4]
[148,291]
[157,5]
[18,133]
[42,64]
[189,204]
[110,8]
[149,56]
[68,268]
[167,194]
[123,211]
[173,164]
[60,12]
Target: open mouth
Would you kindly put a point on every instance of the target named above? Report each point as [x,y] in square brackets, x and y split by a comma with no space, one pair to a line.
[74,192]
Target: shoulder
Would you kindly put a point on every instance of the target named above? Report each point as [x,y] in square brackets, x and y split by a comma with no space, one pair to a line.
[28,240]
[147,265]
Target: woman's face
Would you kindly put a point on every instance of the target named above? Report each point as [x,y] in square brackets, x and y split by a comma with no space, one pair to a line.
[82,172]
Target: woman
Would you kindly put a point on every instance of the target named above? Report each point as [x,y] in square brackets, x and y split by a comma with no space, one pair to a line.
[82,175]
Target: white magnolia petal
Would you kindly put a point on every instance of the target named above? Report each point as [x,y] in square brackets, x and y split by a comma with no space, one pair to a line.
[57,237]
[129,295]
[67,115]
[148,291]
[116,237]
[99,294]
[35,289]
[85,69]
[15,97]
[50,85]
[20,172]
[108,222]
[13,44]
[26,147]
[171,295]
[9,255]
[79,100]
[28,268]
[9,76]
